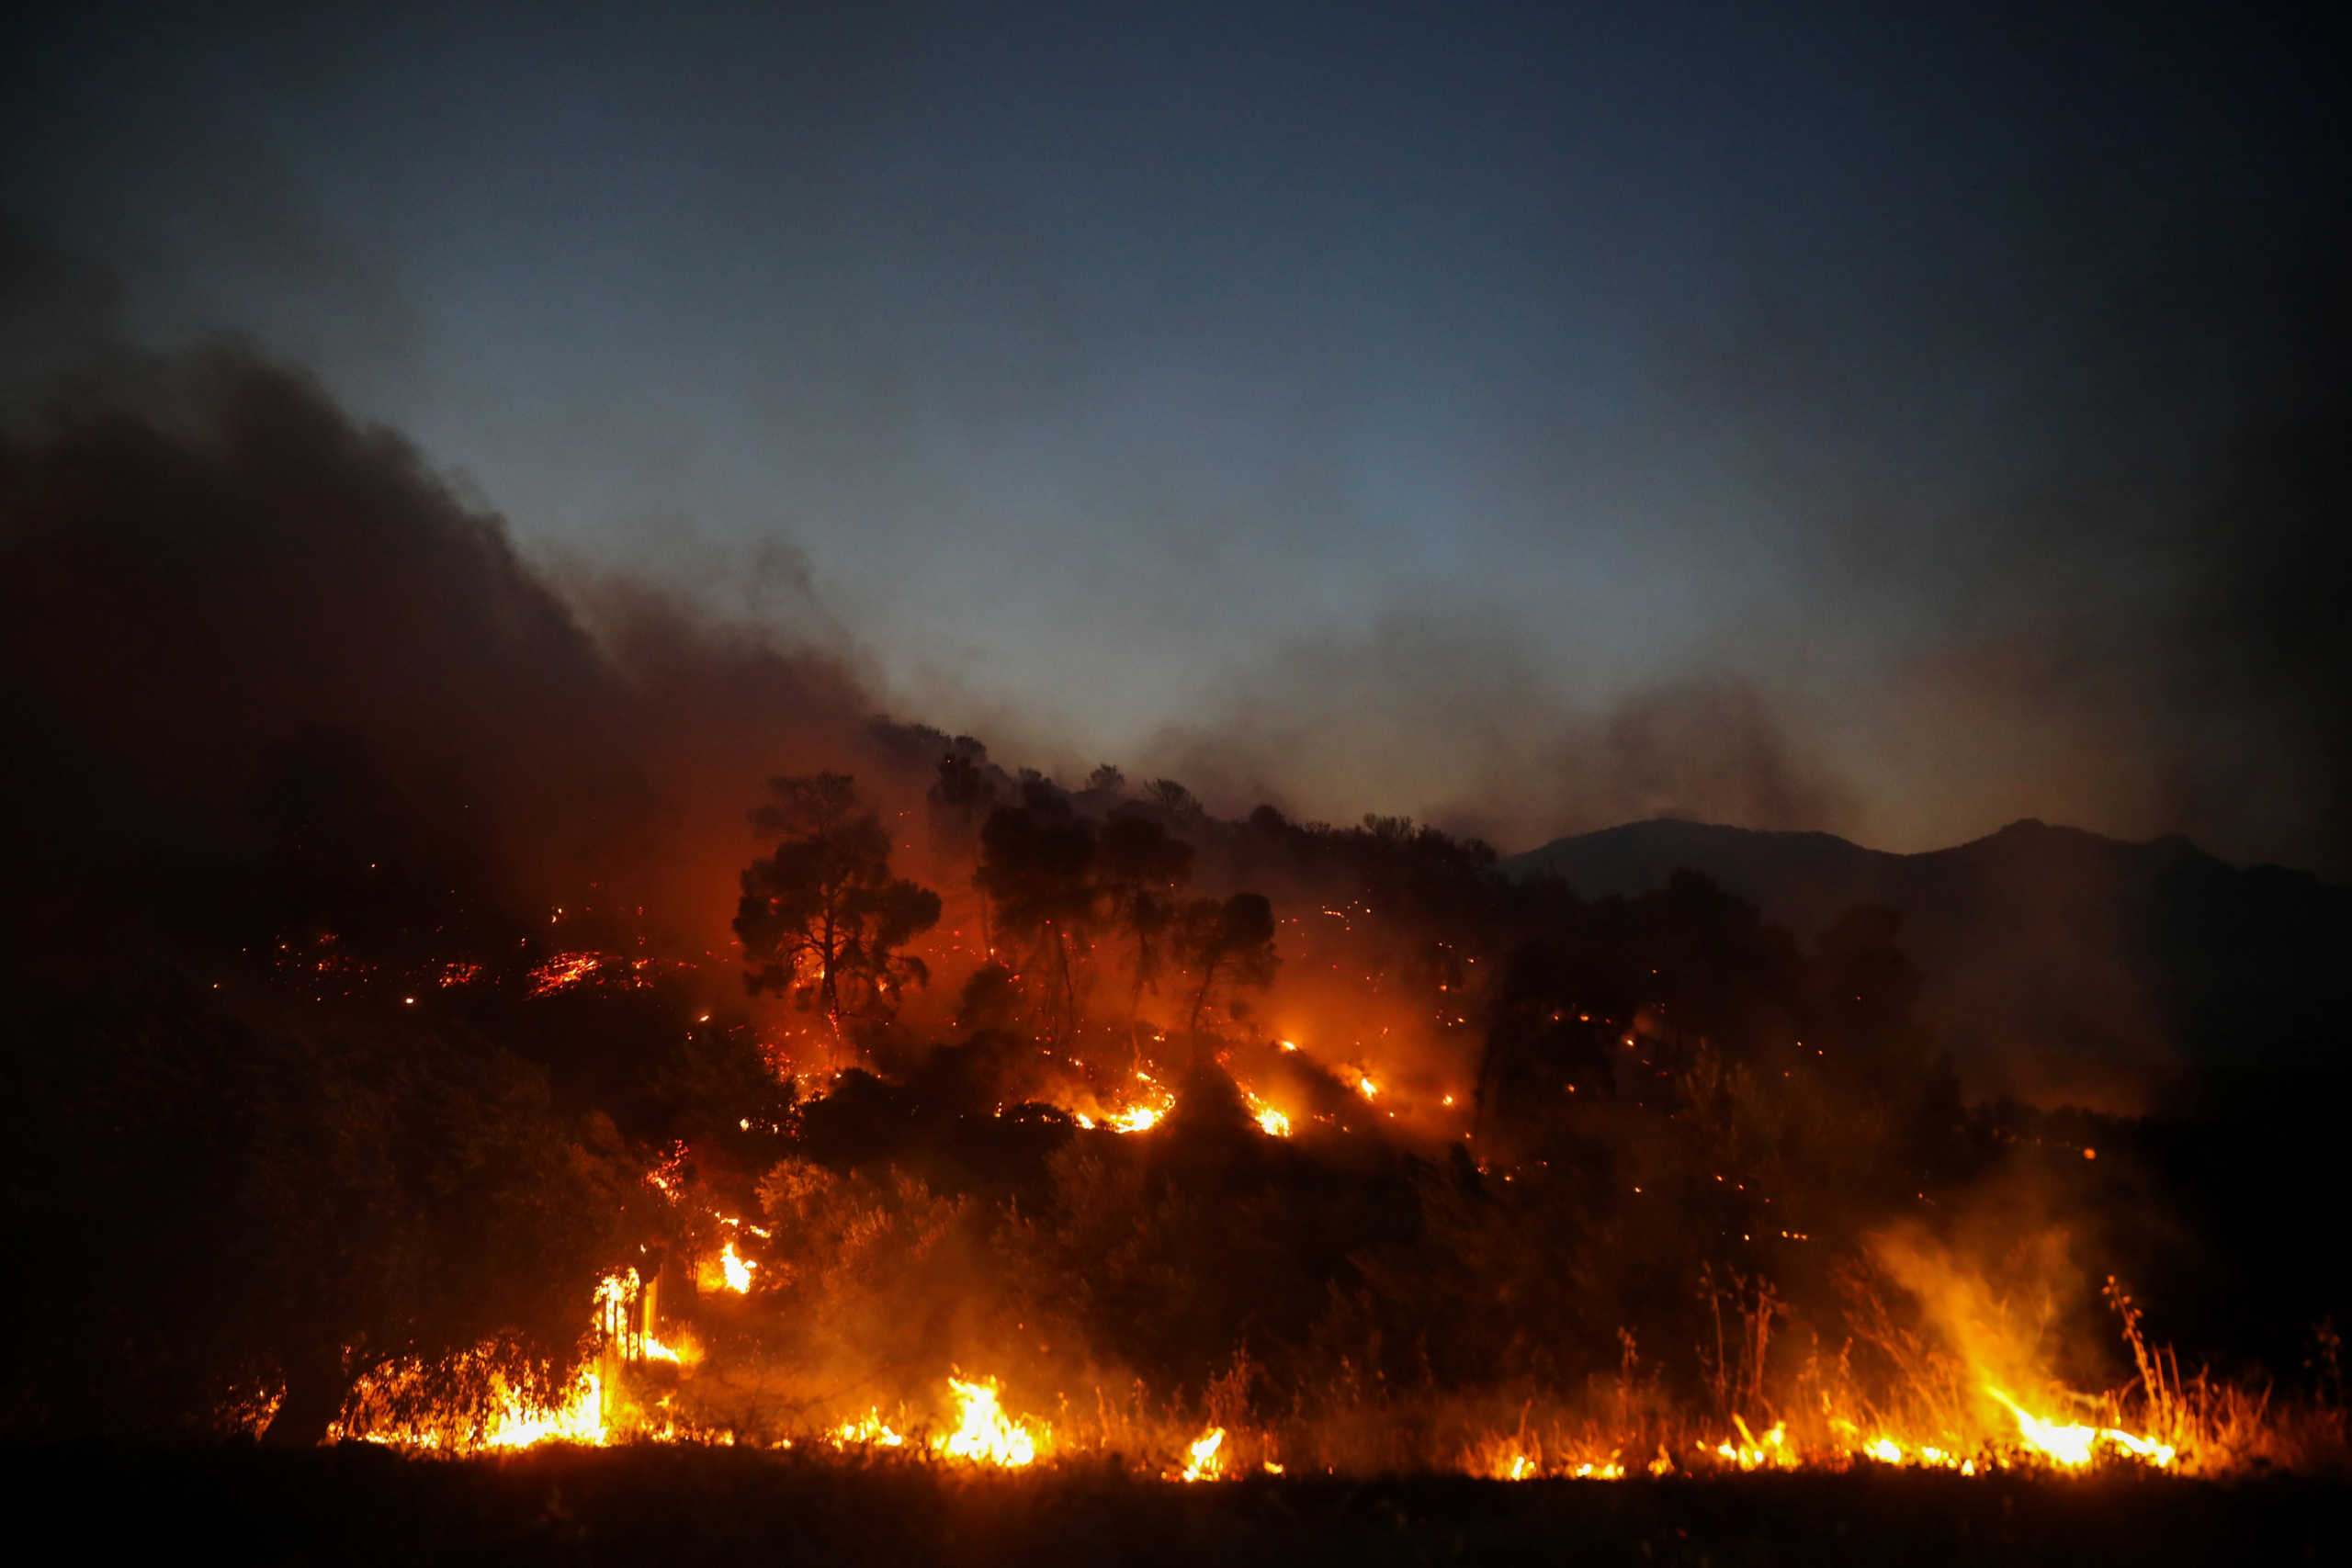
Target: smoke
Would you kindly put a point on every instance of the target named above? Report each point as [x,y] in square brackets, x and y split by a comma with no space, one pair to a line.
[2179,668]
[206,561]
[2005,1274]
[2121,617]
[1456,721]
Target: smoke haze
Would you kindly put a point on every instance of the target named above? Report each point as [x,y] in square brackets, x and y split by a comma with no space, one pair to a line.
[1892,425]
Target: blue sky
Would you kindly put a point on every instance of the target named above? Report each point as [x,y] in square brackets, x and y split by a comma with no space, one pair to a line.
[1521,416]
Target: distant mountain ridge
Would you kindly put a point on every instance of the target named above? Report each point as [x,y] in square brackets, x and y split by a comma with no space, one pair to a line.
[2057,965]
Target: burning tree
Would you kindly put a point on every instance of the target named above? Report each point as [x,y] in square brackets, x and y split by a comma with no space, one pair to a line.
[822,915]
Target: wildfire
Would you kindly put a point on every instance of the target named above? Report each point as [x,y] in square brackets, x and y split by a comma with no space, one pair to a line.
[593,1410]
[512,1422]
[602,1406]
[738,1273]
[1136,1119]
[726,1270]
[687,1352]
[579,1419]
[1271,1122]
[984,1434]
[1749,1453]
[872,1432]
[2072,1445]
[1517,1457]
[1148,1110]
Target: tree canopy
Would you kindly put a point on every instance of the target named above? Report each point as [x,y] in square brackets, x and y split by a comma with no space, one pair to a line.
[821,918]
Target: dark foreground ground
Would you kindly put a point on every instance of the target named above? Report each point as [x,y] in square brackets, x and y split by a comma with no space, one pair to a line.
[730,1507]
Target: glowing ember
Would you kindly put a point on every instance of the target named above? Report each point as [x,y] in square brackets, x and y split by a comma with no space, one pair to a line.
[563,970]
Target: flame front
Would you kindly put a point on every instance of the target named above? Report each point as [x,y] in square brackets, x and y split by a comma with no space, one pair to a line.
[870,1432]
[1202,1461]
[2072,1445]
[737,1271]
[984,1434]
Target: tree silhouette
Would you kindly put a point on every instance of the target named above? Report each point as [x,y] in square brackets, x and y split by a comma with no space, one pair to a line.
[961,794]
[1139,865]
[1227,941]
[1038,872]
[822,917]
[1173,799]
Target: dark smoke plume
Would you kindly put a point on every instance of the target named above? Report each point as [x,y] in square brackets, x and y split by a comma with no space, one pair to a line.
[1456,722]
[206,563]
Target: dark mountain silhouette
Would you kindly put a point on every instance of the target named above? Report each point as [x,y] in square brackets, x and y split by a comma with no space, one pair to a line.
[2058,966]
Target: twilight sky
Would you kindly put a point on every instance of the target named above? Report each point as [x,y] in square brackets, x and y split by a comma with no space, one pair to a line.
[1524,417]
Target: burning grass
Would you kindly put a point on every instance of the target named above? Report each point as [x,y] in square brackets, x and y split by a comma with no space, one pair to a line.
[632,1397]
[864,1314]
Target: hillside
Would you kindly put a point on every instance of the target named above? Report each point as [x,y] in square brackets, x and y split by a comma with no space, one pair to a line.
[2057,965]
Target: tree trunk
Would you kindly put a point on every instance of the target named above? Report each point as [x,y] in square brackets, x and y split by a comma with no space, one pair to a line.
[1199,1000]
[828,987]
[1069,993]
